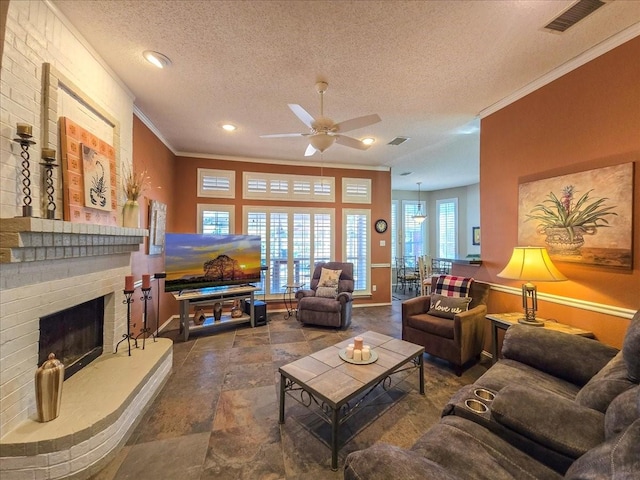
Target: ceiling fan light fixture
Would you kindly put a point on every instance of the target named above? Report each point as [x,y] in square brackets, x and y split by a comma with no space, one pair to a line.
[229,127]
[156,58]
[321,141]
[368,141]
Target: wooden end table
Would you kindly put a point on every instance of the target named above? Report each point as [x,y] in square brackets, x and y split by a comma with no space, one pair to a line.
[505,320]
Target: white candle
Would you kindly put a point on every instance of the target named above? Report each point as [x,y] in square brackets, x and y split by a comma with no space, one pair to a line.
[350,351]
[366,353]
[357,355]
[357,343]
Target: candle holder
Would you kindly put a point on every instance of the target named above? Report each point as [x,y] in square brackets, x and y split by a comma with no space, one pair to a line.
[146,296]
[158,276]
[24,134]
[128,336]
[49,158]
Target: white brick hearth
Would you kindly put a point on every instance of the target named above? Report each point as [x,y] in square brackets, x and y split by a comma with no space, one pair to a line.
[48,266]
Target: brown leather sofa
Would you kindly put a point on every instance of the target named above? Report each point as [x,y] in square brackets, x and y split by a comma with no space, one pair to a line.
[456,340]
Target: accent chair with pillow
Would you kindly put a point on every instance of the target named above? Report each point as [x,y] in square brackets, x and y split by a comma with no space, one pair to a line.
[449,322]
[328,301]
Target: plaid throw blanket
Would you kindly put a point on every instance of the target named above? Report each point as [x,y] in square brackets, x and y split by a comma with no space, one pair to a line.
[451,286]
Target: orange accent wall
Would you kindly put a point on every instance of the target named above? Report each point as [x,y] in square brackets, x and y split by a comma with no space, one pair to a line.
[588,118]
[150,154]
[184,208]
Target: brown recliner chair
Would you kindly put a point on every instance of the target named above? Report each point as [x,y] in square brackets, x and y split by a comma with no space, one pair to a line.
[456,340]
[328,311]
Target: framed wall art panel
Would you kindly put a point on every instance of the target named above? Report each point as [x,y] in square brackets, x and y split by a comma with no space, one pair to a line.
[584,217]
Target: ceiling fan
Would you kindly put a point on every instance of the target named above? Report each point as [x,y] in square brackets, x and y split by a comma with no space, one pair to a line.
[323,131]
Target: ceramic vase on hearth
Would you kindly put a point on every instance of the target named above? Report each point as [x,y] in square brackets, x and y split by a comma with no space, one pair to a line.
[49,379]
[131,214]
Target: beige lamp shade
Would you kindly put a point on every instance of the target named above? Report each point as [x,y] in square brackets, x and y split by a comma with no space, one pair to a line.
[531,264]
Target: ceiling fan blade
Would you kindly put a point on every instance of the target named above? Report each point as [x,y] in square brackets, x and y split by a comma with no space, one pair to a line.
[281,135]
[351,142]
[302,114]
[358,122]
[309,151]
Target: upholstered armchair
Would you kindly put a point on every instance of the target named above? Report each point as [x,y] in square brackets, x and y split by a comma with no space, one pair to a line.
[457,339]
[328,301]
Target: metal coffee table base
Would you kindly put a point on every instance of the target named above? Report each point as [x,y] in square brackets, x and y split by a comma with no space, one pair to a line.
[337,413]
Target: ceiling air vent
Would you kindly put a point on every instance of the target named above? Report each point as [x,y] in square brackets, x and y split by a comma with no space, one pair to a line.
[398,141]
[574,14]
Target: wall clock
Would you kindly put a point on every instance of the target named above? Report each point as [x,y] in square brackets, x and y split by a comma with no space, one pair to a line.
[381,226]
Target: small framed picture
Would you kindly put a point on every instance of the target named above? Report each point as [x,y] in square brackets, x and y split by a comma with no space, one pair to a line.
[476,235]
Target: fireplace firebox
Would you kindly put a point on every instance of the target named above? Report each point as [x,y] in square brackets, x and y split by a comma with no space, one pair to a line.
[74,335]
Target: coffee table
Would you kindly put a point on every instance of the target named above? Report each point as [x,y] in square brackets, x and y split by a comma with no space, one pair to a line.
[331,383]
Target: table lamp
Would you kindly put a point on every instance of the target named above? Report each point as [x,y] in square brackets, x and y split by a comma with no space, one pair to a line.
[531,264]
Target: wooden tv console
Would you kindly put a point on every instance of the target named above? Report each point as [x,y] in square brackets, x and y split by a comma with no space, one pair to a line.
[210,296]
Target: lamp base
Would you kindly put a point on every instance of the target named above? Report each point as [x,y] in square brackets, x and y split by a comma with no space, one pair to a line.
[531,323]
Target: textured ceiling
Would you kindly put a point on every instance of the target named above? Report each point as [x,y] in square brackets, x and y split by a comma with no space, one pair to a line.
[428,68]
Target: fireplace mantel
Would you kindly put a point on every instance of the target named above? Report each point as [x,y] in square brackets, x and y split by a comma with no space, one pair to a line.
[27,239]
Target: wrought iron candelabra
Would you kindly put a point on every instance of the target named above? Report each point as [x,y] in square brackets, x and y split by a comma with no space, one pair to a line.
[128,294]
[146,296]
[24,131]
[158,276]
[49,158]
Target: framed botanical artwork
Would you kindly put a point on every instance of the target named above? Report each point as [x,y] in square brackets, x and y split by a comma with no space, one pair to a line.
[157,225]
[475,235]
[584,217]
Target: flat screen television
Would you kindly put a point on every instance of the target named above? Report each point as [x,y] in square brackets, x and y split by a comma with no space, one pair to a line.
[195,261]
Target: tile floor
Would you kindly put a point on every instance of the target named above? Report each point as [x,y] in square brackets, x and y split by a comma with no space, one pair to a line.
[217,416]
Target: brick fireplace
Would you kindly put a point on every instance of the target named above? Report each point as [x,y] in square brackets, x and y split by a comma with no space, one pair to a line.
[48,266]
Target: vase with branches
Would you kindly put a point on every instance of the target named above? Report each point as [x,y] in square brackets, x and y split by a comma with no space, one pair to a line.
[133,185]
[565,222]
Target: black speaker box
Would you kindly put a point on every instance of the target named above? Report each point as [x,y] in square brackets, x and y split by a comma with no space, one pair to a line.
[259,311]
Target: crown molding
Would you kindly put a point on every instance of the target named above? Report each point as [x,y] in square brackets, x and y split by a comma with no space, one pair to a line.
[144,119]
[585,57]
[273,161]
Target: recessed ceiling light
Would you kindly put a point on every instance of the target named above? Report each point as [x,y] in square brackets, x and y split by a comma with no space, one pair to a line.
[156,58]
[229,127]
[368,141]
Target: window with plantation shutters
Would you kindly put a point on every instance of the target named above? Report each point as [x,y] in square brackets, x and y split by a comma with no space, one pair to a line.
[293,241]
[279,187]
[357,238]
[301,187]
[294,188]
[447,228]
[394,229]
[414,232]
[323,190]
[216,183]
[215,219]
[356,190]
